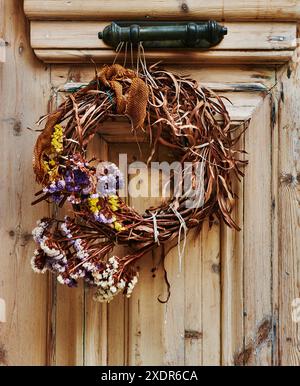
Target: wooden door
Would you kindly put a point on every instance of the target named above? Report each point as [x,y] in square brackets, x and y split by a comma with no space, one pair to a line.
[233,300]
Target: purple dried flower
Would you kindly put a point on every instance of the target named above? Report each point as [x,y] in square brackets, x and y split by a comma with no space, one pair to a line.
[61,184]
[67,281]
[80,177]
[69,187]
[101,218]
[57,197]
[52,188]
[86,191]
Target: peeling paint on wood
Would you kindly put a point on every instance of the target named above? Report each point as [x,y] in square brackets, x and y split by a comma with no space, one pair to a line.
[3,355]
[261,337]
[2,311]
[190,334]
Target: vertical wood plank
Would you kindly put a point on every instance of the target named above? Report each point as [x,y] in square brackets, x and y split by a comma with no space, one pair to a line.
[2,50]
[95,326]
[193,310]
[95,347]
[51,321]
[128,340]
[275,101]
[117,331]
[257,239]
[24,86]
[232,297]
[289,215]
[211,286]
[134,332]
[202,297]
[146,315]
[174,313]
[156,330]
[66,345]
[117,310]
[232,327]
[69,325]
[2,311]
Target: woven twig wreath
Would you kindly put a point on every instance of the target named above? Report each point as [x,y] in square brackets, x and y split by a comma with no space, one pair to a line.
[175,112]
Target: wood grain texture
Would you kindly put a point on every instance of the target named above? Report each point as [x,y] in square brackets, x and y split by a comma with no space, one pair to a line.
[232,302]
[2,311]
[199,57]
[2,51]
[289,215]
[23,336]
[163,9]
[84,35]
[193,307]
[257,237]
[182,332]
[146,315]
[67,306]
[231,77]
[118,310]
[81,343]
[173,327]
[69,326]
[275,99]
[95,322]
[211,295]
[232,281]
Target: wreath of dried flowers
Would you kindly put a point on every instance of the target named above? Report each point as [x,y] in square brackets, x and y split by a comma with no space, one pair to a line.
[177,113]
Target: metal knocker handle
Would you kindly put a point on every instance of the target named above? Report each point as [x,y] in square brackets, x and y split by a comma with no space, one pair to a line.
[164,34]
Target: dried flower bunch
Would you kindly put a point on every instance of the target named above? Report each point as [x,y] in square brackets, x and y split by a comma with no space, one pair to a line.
[175,112]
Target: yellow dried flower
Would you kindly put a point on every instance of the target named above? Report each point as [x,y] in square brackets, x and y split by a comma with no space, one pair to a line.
[113,201]
[118,226]
[93,204]
[51,168]
[46,166]
[57,139]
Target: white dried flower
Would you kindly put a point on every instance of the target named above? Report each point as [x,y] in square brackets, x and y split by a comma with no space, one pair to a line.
[51,252]
[59,268]
[121,284]
[60,279]
[131,286]
[90,267]
[38,231]
[97,275]
[113,289]
[61,257]
[77,245]
[65,230]
[78,274]
[34,267]
[104,284]
[103,296]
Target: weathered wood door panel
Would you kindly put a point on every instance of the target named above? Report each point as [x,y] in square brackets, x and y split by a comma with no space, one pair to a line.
[232,301]
[192,326]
